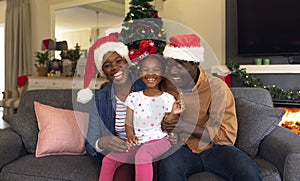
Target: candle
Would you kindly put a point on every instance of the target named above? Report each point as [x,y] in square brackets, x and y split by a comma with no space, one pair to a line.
[258,61]
[266,61]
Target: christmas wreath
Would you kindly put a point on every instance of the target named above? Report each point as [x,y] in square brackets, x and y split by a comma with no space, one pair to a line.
[277,93]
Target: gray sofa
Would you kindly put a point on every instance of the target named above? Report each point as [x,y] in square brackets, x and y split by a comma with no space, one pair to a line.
[275,150]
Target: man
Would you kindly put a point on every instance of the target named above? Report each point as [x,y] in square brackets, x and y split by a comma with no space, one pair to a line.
[207,128]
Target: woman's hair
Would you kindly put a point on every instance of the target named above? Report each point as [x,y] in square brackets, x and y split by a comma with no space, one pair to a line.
[160,58]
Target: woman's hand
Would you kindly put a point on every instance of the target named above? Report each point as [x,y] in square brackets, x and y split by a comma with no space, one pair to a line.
[113,143]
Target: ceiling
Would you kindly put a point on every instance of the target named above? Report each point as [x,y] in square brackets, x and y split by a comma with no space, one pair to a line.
[85,17]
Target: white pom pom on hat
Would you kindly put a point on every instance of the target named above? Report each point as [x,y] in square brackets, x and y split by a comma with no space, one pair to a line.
[185,47]
[96,52]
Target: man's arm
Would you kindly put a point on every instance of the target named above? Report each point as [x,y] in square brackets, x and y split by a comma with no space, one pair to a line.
[172,124]
[222,123]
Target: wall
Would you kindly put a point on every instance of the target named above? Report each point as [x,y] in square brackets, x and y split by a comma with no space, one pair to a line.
[2,22]
[40,21]
[206,17]
[2,11]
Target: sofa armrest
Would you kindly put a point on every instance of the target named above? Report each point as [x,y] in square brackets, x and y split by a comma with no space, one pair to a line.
[282,148]
[11,146]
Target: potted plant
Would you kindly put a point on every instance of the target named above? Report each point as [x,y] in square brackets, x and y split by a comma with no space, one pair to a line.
[73,55]
[42,58]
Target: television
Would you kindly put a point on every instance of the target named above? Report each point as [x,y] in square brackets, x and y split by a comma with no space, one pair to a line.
[268,27]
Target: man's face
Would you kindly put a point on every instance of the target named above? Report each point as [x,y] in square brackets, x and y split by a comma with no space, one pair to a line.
[182,73]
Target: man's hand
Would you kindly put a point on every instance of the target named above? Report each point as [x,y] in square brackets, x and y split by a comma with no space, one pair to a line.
[169,125]
[113,143]
[173,138]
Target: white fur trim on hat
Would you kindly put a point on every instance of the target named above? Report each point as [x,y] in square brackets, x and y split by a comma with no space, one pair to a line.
[190,54]
[84,95]
[99,52]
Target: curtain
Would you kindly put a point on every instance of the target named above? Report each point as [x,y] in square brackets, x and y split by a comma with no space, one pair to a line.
[18,53]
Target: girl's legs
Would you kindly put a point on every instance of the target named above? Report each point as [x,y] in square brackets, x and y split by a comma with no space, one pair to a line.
[112,161]
[146,154]
[108,169]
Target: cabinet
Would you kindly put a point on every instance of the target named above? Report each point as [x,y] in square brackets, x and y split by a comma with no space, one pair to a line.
[39,82]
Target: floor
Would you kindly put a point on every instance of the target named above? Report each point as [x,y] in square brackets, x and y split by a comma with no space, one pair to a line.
[3,124]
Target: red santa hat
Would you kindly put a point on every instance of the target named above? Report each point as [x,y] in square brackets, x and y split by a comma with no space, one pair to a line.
[185,47]
[95,61]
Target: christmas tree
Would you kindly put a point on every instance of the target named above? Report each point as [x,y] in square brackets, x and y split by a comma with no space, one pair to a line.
[142,22]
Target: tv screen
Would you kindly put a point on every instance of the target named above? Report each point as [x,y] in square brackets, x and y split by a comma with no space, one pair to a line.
[268,27]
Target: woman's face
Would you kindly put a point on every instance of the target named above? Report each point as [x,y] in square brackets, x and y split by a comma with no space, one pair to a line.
[115,68]
[151,72]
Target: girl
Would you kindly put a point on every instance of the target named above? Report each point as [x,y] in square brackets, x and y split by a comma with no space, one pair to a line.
[145,112]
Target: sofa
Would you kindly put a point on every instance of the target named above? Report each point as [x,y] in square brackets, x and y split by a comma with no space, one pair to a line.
[274,149]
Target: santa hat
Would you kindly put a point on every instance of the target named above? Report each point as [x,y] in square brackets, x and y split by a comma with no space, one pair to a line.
[96,53]
[185,47]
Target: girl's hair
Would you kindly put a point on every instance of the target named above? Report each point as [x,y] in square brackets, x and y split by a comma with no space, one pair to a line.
[160,58]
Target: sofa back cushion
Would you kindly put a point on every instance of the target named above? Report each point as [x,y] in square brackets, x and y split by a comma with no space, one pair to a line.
[255,122]
[257,95]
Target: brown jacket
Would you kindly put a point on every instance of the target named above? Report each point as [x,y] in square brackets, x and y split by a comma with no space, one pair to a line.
[209,104]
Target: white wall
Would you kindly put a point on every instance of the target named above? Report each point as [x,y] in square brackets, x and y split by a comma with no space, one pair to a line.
[2,11]
[1,60]
[2,21]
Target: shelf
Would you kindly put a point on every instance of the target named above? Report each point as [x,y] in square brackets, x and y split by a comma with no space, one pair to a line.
[272,69]
[37,82]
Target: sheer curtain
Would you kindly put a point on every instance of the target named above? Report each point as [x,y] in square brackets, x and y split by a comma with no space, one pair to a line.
[18,52]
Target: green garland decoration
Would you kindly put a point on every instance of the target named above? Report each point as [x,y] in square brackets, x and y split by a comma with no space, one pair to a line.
[249,80]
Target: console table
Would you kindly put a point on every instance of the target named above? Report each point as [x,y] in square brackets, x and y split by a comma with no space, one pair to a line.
[41,82]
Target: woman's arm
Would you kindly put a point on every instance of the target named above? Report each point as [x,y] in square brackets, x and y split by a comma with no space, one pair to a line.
[100,137]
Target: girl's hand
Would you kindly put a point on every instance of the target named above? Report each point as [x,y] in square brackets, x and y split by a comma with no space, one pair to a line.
[178,107]
[132,140]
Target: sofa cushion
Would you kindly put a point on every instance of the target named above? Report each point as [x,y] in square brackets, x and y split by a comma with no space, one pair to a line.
[62,167]
[26,126]
[61,131]
[255,121]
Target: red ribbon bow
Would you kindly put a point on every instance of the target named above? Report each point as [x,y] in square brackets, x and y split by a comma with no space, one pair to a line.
[146,47]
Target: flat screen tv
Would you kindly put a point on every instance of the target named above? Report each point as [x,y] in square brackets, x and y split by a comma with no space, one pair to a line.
[268,27]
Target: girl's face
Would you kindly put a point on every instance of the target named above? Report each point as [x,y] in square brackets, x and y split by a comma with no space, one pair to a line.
[151,72]
[115,68]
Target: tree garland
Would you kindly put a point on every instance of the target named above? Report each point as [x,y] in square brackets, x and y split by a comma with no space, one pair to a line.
[277,93]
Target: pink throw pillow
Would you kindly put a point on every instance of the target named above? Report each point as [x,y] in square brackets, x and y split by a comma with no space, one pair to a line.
[61,131]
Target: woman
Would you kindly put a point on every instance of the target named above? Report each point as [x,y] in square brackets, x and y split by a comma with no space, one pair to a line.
[110,57]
